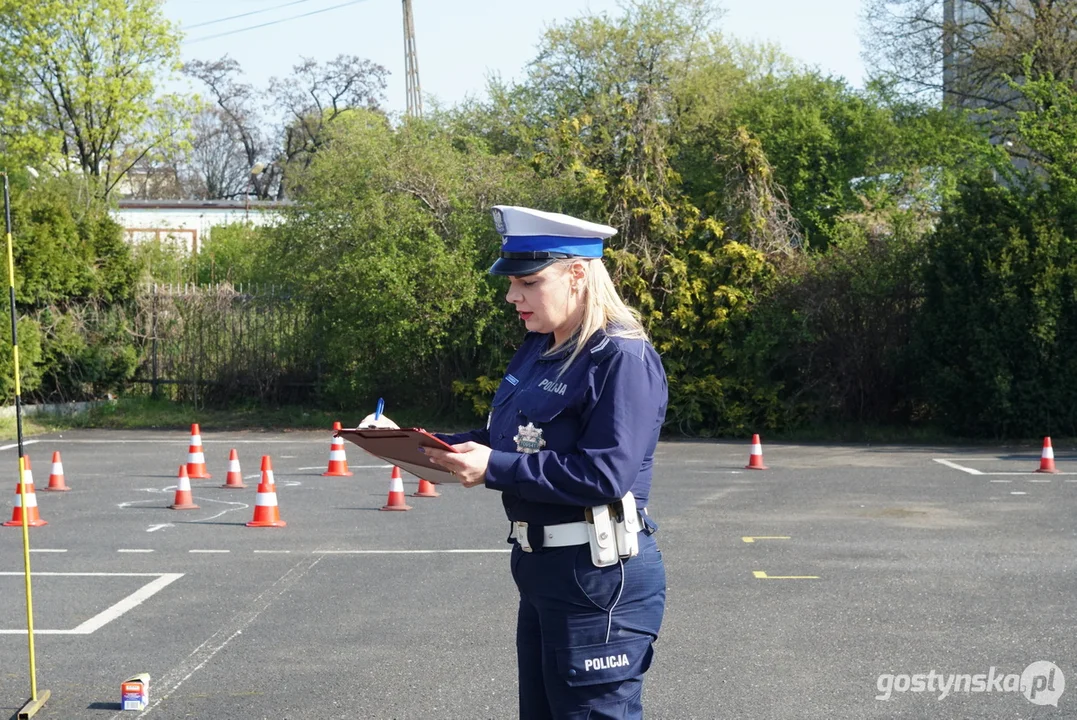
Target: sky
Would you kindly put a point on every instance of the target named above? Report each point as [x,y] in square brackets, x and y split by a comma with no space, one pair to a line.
[461,43]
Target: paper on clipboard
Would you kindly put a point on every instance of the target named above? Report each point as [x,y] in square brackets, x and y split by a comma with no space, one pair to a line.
[400,446]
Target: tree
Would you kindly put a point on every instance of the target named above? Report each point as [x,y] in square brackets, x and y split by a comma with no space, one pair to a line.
[606,109]
[966,46]
[230,139]
[74,274]
[830,341]
[999,322]
[389,241]
[819,134]
[233,139]
[218,165]
[316,95]
[1049,125]
[605,89]
[78,83]
[755,211]
[827,143]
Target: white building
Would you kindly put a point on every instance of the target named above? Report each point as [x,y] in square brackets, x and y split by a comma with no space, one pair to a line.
[191,221]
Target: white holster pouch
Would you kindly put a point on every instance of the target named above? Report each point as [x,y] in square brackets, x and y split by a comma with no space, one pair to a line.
[612,531]
[626,526]
[600,535]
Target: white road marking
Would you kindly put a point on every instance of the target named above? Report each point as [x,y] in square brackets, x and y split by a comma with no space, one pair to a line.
[1027,472]
[177,440]
[239,506]
[1002,481]
[350,467]
[209,551]
[129,503]
[109,614]
[288,457]
[406,552]
[1018,492]
[955,466]
[273,552]
[15,445]
[1034,480]
[202,654]
[134,550]
[152,528]
[47,550]
[973,471]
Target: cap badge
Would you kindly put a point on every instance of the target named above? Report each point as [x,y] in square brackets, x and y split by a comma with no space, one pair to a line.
[529,438]
[499,221]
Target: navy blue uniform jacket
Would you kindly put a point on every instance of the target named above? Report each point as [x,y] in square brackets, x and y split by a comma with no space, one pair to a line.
[600,420]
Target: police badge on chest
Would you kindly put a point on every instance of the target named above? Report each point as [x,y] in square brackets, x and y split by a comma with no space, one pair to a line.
[528,438]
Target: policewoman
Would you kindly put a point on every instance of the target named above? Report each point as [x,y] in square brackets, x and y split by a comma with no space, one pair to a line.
[570,446]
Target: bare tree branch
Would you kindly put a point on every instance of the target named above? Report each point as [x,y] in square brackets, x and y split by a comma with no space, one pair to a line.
[965,47]
[316,94]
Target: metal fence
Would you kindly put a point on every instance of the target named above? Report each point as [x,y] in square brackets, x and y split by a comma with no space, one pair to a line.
[219,343]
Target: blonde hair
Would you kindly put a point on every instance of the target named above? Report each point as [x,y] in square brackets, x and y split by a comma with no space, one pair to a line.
[603,309]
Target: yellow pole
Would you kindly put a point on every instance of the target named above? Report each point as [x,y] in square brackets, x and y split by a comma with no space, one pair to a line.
[35,702]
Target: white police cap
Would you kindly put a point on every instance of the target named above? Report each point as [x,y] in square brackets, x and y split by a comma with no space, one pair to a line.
[534,239]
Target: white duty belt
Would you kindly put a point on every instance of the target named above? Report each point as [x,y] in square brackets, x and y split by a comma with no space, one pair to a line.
[610,530]
[563,535]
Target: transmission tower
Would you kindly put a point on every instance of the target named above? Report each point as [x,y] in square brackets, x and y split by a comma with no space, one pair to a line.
[411,62]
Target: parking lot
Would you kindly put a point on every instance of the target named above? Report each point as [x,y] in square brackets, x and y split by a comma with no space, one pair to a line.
[792,591]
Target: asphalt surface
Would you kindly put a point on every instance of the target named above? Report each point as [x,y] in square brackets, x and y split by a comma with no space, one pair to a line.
[866,566]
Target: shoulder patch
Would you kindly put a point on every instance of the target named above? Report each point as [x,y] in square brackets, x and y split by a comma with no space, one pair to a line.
[603,351]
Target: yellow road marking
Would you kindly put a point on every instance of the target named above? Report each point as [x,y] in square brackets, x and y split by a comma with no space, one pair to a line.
[752,539]
[760,575]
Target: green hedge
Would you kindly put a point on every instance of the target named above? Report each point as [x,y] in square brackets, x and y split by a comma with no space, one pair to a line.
[75,277]
[998,333]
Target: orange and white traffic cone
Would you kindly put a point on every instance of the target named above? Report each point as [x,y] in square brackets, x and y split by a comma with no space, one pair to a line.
[56,477]
[33,518]
[396,492]
[338,461]
[755,460]
[426,489]
[1047,457]
[183,499]
[235,475]
[196,459]
[266,512]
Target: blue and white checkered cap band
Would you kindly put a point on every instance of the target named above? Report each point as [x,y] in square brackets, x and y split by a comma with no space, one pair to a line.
[572,246]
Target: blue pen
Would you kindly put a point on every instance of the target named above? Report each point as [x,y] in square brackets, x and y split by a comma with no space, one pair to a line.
[381,406]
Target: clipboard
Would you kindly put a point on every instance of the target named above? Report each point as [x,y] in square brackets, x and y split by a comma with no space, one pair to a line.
[400,446]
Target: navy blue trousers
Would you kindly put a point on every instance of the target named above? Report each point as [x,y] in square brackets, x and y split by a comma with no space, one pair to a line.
[576,659]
